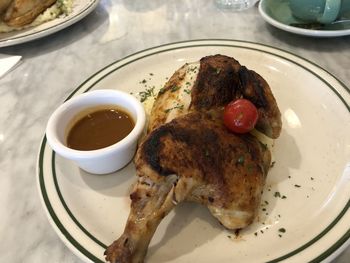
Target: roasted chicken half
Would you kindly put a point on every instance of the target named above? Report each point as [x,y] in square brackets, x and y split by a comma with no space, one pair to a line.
[22,12]
[189,155]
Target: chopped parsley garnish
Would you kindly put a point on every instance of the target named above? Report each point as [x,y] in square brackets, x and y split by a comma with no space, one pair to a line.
[187,91]
[161,91]
[240,160]
[282,230]
[144,95]
[174,88]
[192,69]
[296,185]
[277,194]
[263,145]
[179,107]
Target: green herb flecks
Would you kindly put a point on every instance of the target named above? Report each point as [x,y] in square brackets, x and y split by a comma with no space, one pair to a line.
[240,160]
[144,95]
[161,91]
[282,230]
[187,91]
[179,107]
[192,70]
[263,146]
[174,88]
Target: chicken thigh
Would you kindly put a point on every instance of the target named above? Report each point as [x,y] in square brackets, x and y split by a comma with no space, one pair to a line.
[192,158]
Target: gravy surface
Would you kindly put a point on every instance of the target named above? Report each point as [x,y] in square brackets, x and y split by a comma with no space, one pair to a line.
[99,128]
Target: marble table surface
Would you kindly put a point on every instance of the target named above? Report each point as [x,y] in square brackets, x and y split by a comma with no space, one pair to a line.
[53,66]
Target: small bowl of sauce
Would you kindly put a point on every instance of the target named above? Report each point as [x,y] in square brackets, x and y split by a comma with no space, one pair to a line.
[98,130]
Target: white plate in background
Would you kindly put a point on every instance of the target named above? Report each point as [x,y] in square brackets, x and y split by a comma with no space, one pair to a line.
[278,14]
[81,8]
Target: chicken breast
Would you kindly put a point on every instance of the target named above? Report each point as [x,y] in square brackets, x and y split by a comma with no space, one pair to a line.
[214,82]
[174,98]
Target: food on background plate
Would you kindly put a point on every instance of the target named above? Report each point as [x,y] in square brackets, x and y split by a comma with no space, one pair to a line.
[190,155]
[20,14]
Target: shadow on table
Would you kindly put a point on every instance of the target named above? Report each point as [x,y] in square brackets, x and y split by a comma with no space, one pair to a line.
[61,38]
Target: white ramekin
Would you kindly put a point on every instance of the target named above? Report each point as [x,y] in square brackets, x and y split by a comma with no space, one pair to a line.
[105,160]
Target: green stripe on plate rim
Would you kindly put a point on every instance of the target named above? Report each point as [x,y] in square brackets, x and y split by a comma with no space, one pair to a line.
[53,166]
[52,213]
[320,257]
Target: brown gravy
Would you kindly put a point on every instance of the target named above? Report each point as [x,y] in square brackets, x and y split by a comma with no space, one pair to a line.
[99,128]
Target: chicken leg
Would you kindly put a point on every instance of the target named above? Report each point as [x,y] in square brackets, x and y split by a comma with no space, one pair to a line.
[192,158]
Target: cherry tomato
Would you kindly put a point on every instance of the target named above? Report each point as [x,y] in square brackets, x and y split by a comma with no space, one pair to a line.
[240,116]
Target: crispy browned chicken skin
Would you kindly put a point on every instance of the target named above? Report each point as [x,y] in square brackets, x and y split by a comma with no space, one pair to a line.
[191,156]
[220,80]
[22,12]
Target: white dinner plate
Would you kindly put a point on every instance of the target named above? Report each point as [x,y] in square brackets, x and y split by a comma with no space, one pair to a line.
[80,9]
[304,214]
[278,14]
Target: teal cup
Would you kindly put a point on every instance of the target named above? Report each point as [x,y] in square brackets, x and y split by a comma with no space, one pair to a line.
[321,11]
